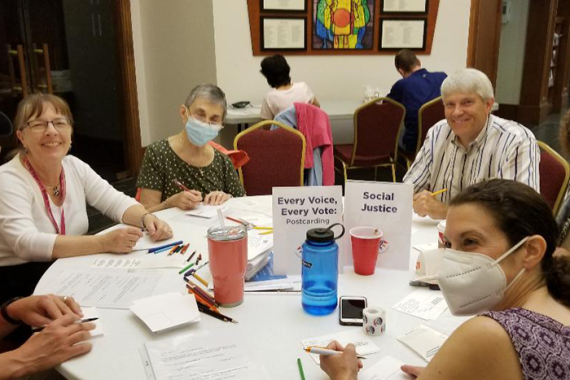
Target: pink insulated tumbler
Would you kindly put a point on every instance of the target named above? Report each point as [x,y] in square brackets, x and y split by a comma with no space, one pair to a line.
[227,250]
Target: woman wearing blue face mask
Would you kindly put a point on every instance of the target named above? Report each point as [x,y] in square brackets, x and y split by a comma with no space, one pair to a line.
[501,237]
[184,169]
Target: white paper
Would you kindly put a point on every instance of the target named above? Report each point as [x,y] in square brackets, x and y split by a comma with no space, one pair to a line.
[149,262]
[403,34]
[116,289]
[364,346]
[423,303]
[425,247]
[386,206]
[424,340]
[386,369]
[219,355]
[284,5]
[283,33]
[91,312]
[258,244]
[165,311]
[206,211]
[297,210]
[424,219]
[404,5]
[289,283]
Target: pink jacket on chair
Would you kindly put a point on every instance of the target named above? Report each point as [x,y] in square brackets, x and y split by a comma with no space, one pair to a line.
[315,125]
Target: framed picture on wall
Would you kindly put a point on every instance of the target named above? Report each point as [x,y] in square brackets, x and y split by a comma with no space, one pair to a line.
[405,6]
[283,33]
[350,26]
[283,5]
[396,34]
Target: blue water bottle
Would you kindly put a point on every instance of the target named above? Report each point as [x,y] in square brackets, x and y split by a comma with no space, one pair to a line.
[320,270]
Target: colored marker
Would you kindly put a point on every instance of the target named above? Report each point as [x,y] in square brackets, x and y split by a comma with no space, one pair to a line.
[151,250]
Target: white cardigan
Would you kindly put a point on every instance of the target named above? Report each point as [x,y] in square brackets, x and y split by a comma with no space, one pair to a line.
[26,232]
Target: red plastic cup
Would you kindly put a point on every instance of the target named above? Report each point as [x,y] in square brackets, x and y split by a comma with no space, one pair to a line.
[227,250]
[365,248]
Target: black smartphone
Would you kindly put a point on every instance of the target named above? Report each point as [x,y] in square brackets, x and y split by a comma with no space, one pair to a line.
[350,311]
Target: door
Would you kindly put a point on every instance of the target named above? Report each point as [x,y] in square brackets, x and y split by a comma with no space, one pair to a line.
[70,48]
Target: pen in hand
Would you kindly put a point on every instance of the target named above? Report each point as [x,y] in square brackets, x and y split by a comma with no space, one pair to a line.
[83,320]
[326,351]
[438,192]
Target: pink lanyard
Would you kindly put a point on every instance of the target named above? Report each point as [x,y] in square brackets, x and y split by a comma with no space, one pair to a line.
[46,197]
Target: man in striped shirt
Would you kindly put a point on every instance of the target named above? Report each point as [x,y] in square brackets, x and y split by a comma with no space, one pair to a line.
[470,145]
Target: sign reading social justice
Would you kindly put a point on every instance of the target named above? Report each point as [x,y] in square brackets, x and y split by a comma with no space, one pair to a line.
[386,206]
[295,211]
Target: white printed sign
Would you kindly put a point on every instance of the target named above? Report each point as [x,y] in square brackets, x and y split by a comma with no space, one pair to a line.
[386,206]
[295,211]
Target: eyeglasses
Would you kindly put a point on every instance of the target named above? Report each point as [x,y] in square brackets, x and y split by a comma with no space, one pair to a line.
[40,126]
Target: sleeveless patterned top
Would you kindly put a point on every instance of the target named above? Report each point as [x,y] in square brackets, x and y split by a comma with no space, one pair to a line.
[542,344]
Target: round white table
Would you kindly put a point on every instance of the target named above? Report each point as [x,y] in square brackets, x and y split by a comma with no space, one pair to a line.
[274,324]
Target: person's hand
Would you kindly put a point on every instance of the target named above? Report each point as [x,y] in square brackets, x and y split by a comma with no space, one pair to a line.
[412,370]
[121,240]
[41,310]
[157,229]
[216,198]
[59,341]
[426,204]
[341,367]
[185,200]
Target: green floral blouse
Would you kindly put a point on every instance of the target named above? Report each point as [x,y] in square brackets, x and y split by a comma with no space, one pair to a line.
[161,166]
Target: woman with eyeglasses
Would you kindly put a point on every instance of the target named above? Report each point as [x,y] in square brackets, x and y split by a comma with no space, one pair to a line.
[43,196]
[498,266]
[184,170]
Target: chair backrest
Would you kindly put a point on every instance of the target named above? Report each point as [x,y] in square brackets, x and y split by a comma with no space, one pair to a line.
[276,158]
[429,114]
[376,128]
[554,175]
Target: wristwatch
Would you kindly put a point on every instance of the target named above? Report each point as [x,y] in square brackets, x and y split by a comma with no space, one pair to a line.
[4,311]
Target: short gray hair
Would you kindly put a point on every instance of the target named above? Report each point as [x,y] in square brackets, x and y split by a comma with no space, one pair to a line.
[468,81]
[211,92]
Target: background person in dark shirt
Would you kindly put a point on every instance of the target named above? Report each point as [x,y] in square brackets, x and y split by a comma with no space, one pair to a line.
[417,87]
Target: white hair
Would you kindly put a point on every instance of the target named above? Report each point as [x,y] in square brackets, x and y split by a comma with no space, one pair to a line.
[468,81]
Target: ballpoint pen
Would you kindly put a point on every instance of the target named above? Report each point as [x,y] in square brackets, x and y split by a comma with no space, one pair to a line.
[204,309]
[84,320]
[326,351]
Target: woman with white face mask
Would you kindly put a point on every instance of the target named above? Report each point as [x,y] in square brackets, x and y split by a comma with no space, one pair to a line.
[184,170]
[501,237]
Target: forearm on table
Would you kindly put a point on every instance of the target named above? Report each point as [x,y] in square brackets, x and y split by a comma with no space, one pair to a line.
[133,215]
[68,246]
[13,367]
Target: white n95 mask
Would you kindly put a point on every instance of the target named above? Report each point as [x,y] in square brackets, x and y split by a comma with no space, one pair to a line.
[471,282]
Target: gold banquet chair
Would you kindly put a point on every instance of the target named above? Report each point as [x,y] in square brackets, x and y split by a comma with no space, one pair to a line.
[377,126]
[276,158]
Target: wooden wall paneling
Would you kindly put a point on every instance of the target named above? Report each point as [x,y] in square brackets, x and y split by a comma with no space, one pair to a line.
[131,122]
[534,106]
[255,32]
[484,37]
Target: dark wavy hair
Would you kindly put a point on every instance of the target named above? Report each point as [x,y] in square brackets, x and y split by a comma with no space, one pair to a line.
[520,211]
[276,70]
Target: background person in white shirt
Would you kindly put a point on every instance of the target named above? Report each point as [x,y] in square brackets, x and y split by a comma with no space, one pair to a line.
[469,146]
[276,70]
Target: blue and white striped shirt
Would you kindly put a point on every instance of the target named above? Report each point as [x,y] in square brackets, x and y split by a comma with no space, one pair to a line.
[503,149]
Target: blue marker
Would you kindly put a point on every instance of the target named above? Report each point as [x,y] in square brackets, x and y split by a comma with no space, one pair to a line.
[170,245]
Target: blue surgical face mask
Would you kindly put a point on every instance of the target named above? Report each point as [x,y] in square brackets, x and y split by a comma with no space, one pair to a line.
[200,133]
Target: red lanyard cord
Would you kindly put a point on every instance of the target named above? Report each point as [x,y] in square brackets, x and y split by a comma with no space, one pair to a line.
[46,196]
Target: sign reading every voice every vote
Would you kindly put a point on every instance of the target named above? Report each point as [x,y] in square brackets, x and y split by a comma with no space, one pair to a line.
[386,206]
[295,211]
